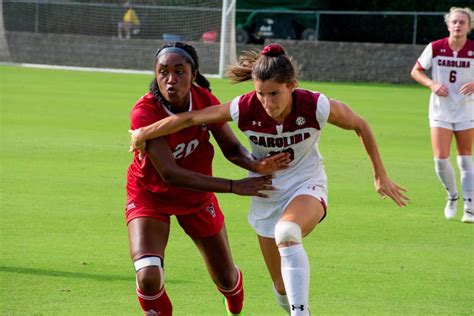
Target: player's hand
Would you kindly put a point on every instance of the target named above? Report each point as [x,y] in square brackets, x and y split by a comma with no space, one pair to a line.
[273,163]
[253,186]
[467,88]
[136,142]
[385,187]
[439,89]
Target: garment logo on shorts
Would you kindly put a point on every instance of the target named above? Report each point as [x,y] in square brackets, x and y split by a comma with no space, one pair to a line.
[204,126]
[211,210]
[258,123]
[130,206]
[300,121]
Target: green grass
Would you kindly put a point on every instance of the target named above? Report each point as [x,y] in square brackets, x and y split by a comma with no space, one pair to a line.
[64,247]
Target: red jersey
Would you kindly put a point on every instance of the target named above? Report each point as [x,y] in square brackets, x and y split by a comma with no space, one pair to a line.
[191,149]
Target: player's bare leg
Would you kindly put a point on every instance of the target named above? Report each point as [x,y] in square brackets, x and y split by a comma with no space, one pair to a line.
[220,265]
[148,238]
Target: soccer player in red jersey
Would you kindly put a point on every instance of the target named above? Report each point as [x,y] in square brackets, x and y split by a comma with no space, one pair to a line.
[451,111]
[279,118]
[174,177]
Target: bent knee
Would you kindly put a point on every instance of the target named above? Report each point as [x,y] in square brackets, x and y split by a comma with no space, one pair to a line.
[150,279]
[150,274]
[287,233]
[226,279]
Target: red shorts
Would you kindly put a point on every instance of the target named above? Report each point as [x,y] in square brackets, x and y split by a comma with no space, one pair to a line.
[205,222]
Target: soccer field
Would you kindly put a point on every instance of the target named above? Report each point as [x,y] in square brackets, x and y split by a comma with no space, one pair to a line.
[64,246]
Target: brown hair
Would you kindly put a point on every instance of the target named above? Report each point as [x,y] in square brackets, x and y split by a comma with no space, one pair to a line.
[271,63]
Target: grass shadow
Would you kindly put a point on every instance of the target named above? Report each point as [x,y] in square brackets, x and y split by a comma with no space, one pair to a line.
[80,275]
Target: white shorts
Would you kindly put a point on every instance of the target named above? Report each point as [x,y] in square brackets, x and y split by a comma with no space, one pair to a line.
[265,214]
[452,126]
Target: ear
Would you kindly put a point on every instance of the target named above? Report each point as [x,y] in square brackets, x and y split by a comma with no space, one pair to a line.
[194,76]
[292,85]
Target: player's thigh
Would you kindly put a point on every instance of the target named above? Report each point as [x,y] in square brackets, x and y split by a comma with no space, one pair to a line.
[271,256]
[147,236]
[306,211]
[464,140]
[441,142]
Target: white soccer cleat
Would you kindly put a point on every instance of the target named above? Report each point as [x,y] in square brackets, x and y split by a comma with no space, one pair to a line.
[451,208]
[468,216]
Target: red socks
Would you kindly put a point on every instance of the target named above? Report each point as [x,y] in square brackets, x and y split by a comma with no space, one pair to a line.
[158,304]
[235,296]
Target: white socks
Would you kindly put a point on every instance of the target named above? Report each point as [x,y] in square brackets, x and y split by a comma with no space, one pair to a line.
[282,300]
[467,180]
[295,272]
[445,173]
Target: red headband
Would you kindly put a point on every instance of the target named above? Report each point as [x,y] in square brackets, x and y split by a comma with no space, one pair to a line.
[273,50]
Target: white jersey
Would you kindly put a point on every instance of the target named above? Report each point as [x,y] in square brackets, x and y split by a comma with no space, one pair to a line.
[298,135]
[453,69]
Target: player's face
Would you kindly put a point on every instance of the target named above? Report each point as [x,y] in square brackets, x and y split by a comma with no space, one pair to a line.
[174,76]
[275,97]
[458,24]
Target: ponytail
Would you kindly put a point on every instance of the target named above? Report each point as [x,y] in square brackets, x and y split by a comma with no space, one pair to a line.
[271,63]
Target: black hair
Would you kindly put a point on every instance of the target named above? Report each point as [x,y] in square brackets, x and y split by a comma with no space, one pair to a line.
[200,80]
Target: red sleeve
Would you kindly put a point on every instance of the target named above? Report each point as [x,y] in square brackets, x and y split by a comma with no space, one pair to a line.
[143,113]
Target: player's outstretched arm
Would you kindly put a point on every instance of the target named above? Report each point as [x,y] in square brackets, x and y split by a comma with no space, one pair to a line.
[238,154]
[164,162]
[174,123]
[342,116]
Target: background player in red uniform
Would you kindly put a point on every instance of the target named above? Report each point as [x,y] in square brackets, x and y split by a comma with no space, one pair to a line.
[452,106]
[174,177]
[278,117]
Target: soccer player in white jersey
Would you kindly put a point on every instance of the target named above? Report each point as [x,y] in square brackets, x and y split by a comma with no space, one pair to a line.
[277,117]
[452,106]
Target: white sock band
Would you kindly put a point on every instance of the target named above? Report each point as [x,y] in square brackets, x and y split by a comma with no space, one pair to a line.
[467,180]
[445,173]
[144,262]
